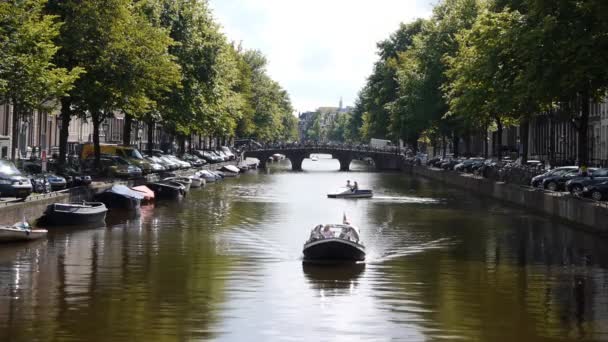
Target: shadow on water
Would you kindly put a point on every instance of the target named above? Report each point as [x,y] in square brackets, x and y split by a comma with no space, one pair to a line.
[333,278]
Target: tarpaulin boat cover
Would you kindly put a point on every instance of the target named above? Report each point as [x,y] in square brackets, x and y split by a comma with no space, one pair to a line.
[125,191]
[145,190]
[231,168]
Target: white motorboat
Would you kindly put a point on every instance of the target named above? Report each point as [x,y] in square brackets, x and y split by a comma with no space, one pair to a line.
[334,242]
[197,181]
[351,193]
[208,176]
[314,158]
[21,231]
[230,171]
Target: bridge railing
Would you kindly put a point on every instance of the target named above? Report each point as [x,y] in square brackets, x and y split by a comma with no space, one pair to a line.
[337,147]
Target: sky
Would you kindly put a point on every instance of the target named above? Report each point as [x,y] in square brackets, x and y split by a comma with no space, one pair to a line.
[318,50]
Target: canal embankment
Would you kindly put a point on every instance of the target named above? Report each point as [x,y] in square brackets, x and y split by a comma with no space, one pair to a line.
[589,215]
[35,205]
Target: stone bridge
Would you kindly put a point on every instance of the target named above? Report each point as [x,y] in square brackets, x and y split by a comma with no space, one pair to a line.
[383,159]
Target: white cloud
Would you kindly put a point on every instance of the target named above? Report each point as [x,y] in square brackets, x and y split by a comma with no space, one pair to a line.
[318,50]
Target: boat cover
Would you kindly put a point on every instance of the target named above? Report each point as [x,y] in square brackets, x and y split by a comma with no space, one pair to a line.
[231,168]
[149,194]
[125,191]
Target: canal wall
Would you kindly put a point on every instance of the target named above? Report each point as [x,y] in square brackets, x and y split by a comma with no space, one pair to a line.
[591,216]
[34,206]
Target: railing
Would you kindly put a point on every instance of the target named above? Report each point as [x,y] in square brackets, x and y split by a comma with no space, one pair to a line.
[338,147]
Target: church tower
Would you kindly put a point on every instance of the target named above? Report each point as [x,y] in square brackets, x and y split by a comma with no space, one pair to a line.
[340,107]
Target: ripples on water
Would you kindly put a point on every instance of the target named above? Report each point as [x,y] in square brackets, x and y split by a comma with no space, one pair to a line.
[225,264]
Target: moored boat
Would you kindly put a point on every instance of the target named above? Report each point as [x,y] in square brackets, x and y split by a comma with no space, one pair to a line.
[120,197]
[185,181]
[69,214]
[147,192]
[334,242]
[208,176]
[314,158]
[351,193]
[197,181]
[167,189]
[230,170]
[20,231]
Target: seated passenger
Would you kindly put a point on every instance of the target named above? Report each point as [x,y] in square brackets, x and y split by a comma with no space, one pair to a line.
[327,233]
[356,187]
[348,186]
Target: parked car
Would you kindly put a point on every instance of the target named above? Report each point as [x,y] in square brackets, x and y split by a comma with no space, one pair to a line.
[194,160]
[598,192]
[73,177]
[557,181]
[433,161]
[538,180]
[208,156]
[155,163]
[113,166]
[56,182]
[12,181]
[228,152]
[449,164]
[467,164]
[182,164]
[576,185]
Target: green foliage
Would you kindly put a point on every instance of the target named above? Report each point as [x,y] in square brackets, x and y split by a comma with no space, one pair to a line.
[28,77]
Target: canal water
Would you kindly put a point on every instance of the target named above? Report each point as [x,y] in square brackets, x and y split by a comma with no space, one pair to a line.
[225,264]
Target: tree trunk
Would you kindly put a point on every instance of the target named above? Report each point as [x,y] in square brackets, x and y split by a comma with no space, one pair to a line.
[444,146]
[15,138]
[66,117]
[524,129]
[583,129]
[467,144]
[182,143]
[455,141]
[200,144]
[499,138]
[485,143]
[151,127]
[551,138]
[128,125]
[95,117]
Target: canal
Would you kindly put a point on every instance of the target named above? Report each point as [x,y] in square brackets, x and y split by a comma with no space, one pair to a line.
[225,264]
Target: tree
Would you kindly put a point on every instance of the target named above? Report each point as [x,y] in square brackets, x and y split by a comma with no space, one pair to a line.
[28,78]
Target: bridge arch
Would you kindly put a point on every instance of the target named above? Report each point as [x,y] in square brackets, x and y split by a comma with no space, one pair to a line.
[383,160]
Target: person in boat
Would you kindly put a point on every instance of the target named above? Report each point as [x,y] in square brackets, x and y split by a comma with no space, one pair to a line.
[327,233]
[355,187]
[348,186]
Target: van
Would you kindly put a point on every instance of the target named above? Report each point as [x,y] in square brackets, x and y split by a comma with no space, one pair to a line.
[129,153]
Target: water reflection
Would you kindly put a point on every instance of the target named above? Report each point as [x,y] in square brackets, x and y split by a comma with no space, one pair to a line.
[333,279]
[225,264]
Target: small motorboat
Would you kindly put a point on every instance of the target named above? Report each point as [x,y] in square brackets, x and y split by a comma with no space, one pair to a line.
[167,189]
[351,193]
[277,157]
[185,181]
[21,231]
[147,192]
[70,214]
[334,242]
[243,168]
[120,197]
[230,170]
[314,158]
[208,176]
[197,181]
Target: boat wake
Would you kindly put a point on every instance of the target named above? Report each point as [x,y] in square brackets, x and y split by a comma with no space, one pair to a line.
[243,242]
[405,199]
[374,258]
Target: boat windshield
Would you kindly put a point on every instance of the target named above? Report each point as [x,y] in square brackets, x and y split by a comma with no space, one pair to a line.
[341,231]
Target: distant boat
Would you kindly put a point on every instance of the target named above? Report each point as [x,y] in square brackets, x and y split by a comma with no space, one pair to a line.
[20,231]
[120,197]
[208,176]
[314,158]
[69,214]
[350,193]
[334,242]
